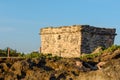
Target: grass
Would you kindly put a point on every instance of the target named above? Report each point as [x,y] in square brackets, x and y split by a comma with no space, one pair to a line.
[90,56]
[40,55]
[112,48]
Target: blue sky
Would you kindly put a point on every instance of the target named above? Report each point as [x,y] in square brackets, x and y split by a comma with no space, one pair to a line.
[21,20]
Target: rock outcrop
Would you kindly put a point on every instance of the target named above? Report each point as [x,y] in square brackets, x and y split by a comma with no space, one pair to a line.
[62,68]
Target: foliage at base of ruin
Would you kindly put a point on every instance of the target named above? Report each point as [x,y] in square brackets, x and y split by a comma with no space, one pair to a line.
[89,57]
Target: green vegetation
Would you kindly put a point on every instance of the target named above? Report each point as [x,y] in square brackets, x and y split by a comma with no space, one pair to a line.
[112,48]
[88,57]
[12,53]
[32,55]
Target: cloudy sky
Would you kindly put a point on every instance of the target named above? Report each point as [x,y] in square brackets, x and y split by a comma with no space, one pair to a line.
[21,20]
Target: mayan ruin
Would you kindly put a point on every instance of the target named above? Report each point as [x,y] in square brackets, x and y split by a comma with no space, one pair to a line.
[73,41]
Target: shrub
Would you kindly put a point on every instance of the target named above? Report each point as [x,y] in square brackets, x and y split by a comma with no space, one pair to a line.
[32,55]
[87,57]
[112,48]
[57,58]
[90,56]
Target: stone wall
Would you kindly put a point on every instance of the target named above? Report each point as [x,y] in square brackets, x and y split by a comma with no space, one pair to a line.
[71,41]
[62,41]
[93,37]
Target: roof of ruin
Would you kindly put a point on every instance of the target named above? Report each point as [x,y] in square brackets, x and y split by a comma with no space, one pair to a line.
[78,28]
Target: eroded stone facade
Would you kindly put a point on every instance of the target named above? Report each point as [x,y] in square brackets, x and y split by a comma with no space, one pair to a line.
[72,41]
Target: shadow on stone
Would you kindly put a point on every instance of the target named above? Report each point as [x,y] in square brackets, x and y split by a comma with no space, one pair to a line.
[23,74]
[61,76]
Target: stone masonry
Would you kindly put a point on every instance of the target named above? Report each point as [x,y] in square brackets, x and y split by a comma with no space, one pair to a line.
[72,41]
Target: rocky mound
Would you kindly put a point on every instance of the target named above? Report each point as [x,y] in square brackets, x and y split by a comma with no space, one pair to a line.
[103,67]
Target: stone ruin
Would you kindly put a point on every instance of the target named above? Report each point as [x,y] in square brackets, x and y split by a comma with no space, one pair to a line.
[73,41]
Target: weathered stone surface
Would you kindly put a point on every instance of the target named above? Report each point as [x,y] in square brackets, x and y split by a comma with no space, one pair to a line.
[72,41]
[97,50]
[62,69]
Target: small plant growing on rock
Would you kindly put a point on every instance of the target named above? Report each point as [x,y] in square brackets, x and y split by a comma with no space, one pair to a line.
[112,48]
[90,56]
